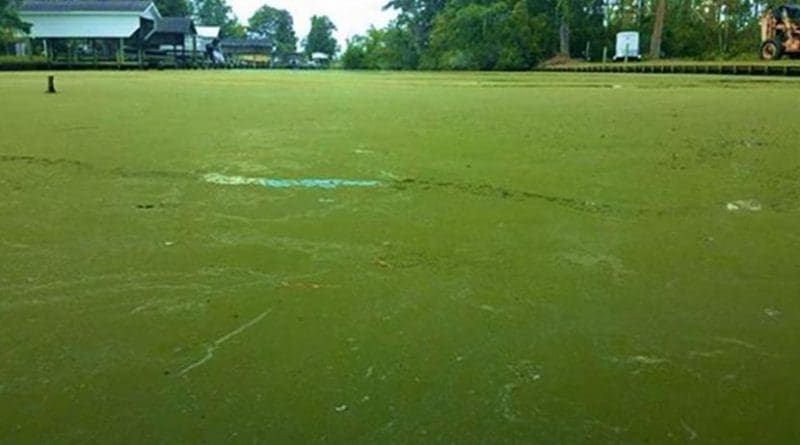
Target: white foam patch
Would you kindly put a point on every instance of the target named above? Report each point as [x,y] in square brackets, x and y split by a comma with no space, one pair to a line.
[751,205]
[216,178]
[324,183]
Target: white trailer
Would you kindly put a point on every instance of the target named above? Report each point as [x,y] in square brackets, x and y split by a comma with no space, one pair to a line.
[627,46]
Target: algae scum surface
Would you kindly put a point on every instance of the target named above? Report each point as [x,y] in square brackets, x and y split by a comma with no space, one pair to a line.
[243,257]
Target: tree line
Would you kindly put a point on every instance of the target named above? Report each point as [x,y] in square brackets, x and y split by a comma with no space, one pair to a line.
[276,25]
[267,22]
[519,34]
[492,34]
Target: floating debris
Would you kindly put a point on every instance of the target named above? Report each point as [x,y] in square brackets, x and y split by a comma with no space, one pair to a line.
[382,263]
[488,308]
[736,341]
[216,178]
[300,285]
[340,408]
[506,402]
[647,360]
[748,204]
[211,348]
[706,354]
[323,183]
[772,313]
[689,430]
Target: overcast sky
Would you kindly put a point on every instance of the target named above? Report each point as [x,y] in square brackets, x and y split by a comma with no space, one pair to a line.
[350,16]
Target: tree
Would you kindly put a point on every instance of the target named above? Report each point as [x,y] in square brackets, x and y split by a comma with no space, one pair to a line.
[588,26]
[355,54]
[398,48]
[563,28]
[417,19]
[233,28]
[212,12]
[390,48]
[10,23]
[320,38]
[515,34]
[218,13]
[518,52]
[276,25]
[496,36]
[658,29]
[174,8]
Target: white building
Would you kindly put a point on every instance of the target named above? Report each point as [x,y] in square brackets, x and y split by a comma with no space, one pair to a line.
[206,35]
[106,29]
[90,19]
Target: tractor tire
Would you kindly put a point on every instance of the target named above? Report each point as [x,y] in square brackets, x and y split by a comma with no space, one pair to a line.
[771,50]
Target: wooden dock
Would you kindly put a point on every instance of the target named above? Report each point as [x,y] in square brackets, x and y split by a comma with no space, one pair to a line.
[744,69]
[151,62]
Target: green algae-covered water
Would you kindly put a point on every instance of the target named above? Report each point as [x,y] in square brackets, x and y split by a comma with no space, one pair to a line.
[538,259]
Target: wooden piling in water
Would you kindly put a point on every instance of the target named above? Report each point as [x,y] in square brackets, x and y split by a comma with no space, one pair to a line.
[51,84]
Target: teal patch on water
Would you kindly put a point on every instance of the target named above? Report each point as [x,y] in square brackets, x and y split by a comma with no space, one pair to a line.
[323,183]
[318,183]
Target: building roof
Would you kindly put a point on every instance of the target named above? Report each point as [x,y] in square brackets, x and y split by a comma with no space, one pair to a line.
[49,6]
[79,19]
[175,25]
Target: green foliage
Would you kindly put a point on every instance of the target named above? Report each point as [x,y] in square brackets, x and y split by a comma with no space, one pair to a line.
[391,48]
[515,35]
[484,37]
[174,8]
[320,38]
[399,50]
[462,35]
[467,38]
[355,54]
[212,12]
[218,13]
[417,18]
[10,23]
[519,51]
[234,28]
[276,25]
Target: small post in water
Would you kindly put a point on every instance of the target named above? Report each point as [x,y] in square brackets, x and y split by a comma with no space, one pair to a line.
[51,84]
[605,54]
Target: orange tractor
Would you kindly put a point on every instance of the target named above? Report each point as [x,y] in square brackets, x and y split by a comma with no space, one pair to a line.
[780,32]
